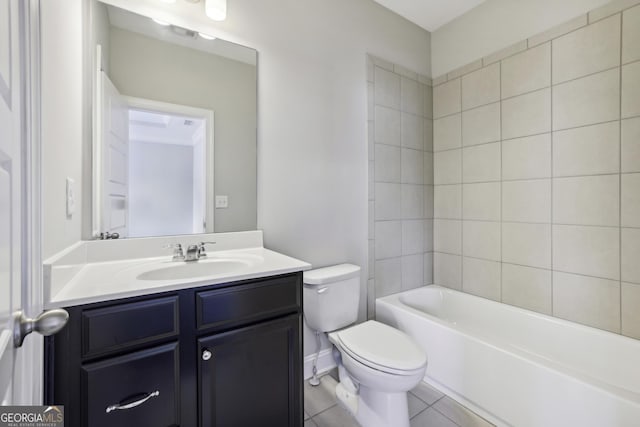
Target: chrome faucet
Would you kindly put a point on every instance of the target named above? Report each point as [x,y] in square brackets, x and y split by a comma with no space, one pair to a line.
[195,252]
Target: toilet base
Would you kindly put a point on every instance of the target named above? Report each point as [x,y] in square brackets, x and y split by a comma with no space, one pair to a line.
[374,408]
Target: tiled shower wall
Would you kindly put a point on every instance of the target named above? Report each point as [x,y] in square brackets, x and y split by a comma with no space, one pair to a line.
[400,180]
[537,173]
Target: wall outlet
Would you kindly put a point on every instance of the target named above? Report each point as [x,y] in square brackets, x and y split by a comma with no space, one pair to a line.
[71,197]
[222,202]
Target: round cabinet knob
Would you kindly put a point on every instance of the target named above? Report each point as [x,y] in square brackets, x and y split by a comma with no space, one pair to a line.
[206,355]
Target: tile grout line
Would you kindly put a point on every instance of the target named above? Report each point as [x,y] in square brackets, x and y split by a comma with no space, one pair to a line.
[502,177]
[461,190]
[551,171]
[620,169]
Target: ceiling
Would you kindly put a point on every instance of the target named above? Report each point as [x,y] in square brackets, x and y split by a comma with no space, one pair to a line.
[430,14]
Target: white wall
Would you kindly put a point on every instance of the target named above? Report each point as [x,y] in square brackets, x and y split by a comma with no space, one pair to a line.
[62,121]
[496,24]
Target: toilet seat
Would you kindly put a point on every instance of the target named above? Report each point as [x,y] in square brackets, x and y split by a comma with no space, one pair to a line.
[382,347]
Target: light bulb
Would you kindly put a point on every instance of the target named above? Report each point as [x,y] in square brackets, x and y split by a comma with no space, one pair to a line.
[206,36]
[216,9]
[161,22]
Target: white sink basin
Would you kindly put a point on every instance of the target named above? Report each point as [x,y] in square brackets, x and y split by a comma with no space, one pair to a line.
[190,270]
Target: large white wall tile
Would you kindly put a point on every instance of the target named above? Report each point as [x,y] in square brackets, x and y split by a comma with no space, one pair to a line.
[481,201]
[630,253]
[481,124]
[481,87]
[481,163]
[527,158]
[588,150]
[526,115]
[412,271]
[428,268]
[481,239]
[388,239]
[388,201]
[447,133]
[447,270]
[428,167]
[481,278]
[387,88]
[411,97]
[387,163]
[631,145]
[527,71]
[428,201]
[592,251]
[527,287]
[411,131]
[388,277]
[428,235]
[587,300]
[631,200]
[588,50]
[631,90]
[446,99]
[447,236]
[631,35]
[587,200]
[412,166]
[428,134]
[526,244]
[447,167]
[412,201]
[586,101]
[428,101]
[412,237]
[526,201]
[447,201]
[387,126]
[630,313]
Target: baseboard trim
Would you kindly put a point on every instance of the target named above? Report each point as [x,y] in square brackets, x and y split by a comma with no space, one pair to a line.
[325,363]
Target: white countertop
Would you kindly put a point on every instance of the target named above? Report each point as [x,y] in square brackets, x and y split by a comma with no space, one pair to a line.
[71,284]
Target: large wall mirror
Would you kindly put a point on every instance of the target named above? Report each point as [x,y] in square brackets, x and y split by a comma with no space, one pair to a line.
[174,128]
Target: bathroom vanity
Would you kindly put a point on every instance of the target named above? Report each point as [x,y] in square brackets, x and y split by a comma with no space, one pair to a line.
[220,350]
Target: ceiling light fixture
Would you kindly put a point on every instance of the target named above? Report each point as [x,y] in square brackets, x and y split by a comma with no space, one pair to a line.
[168,1]
[161,22]
[216,9]
[206,36]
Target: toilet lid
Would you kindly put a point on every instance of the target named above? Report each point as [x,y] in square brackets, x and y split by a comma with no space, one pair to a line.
[383,346]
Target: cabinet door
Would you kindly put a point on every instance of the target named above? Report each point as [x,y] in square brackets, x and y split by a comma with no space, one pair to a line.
[252,376]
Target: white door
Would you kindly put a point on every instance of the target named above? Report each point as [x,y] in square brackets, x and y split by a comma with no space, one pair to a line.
[115,159]
[15,385]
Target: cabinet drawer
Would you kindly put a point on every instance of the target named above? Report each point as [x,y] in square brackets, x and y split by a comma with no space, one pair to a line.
[241,304]
[146,381]
[113,328]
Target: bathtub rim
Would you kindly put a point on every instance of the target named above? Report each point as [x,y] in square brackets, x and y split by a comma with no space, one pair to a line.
[567,372]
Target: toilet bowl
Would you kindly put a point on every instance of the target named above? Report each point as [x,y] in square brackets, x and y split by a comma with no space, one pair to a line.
[377,364]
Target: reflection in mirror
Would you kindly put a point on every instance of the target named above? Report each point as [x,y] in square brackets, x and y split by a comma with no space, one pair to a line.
[174,129]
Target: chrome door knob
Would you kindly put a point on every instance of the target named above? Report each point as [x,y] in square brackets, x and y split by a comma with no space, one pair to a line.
[47,323]
[206,355]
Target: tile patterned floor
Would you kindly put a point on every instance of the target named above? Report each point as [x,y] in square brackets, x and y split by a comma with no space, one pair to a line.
[427,408]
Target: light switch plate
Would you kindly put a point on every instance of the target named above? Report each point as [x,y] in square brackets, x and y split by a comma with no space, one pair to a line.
[71,197]
[222,202]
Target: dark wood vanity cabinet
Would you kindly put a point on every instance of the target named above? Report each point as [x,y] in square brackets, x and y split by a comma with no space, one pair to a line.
[223,355]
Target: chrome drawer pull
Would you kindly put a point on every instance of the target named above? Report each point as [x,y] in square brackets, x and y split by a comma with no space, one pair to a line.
[120,406]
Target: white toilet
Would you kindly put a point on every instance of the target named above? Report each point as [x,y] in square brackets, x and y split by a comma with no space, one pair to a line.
[377,363]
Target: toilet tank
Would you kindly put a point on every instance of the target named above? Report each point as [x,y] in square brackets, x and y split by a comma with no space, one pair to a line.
[331,297]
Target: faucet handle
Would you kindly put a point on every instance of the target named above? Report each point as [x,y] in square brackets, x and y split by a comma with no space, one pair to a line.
[178,254]
[202,248]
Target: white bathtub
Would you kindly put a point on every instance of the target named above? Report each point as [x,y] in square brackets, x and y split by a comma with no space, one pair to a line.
[517,367]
